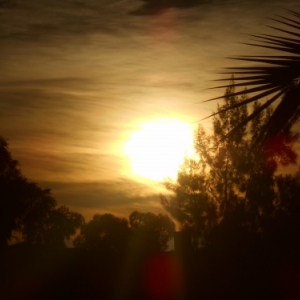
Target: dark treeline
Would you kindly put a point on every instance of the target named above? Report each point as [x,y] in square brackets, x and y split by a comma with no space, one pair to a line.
[32,216]
[239,225]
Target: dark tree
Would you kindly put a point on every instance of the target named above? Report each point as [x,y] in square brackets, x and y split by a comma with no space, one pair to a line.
[104,233]
[12,185]
[193,206]
[151,232]
[207,189]
[229,191]
[45,224]
[30,210]
[284,224]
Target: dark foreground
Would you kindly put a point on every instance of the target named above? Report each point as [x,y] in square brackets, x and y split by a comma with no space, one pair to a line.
[39,273]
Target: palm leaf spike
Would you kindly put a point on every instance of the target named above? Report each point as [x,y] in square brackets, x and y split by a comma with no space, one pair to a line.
[277,76]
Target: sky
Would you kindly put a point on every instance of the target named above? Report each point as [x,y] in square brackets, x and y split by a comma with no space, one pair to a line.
[79,78]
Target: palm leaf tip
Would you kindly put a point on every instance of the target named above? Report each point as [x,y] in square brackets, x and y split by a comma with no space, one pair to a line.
[275,75]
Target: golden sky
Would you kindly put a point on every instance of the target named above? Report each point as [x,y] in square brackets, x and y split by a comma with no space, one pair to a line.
[78,78]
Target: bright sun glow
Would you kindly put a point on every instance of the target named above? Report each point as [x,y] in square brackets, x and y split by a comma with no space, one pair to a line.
[158,148]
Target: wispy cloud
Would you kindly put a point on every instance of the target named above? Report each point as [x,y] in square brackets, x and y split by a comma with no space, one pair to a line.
[121,196]
[34,19]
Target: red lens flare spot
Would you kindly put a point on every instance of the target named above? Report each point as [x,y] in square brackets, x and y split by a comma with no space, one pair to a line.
[279,150]
[163,277]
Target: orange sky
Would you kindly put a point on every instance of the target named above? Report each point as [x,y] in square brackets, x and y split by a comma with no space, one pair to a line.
[77,78]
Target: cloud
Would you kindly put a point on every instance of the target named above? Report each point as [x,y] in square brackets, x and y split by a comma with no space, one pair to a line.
[153,7]
[120,196]
[7,4]
[37,20]
[157,6]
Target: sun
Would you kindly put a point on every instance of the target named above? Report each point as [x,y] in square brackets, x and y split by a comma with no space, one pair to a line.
[158,148]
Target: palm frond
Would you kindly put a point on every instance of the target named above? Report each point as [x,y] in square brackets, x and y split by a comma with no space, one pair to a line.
[275,76]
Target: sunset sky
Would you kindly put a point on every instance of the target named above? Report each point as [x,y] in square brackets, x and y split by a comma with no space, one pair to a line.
[81,81]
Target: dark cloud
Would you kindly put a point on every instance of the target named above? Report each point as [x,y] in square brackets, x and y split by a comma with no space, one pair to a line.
[7,4]
[39,20]
[157,6]
[152,7]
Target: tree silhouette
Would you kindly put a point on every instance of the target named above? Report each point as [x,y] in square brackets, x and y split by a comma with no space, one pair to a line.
[104,233]
[193,206]
[29,209]
[284,224]
[12,185]
[150,231]
[49,225]
[274,76]
[228,192]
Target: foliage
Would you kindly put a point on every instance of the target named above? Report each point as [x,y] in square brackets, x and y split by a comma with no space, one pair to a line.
[10,180]
[29,209]
[152,232]
[143,233]
[193,206]
[284,225]
[104,232]
[274,76]
[49,226]
[229,191]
